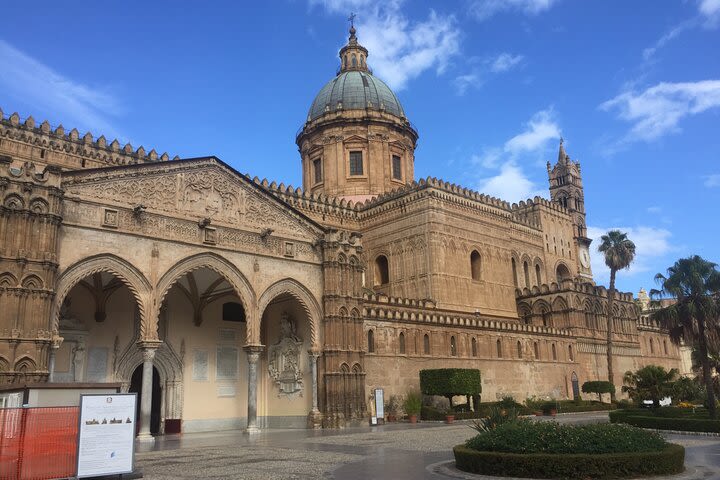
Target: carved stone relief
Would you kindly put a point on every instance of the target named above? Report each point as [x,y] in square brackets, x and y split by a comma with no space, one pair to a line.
[284,359]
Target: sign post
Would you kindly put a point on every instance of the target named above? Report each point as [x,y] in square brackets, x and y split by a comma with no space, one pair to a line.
[379,406]
[106,437]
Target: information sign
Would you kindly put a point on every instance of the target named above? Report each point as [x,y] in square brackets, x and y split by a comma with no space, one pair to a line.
[379,403]
[106,437]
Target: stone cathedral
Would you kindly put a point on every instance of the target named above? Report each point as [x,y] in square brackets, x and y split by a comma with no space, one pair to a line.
[232,302]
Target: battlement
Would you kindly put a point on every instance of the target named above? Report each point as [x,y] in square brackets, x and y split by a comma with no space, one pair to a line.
[68,149]
[573,286]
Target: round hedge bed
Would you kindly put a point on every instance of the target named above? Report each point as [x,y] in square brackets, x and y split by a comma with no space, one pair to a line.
[523,448]
[558,465]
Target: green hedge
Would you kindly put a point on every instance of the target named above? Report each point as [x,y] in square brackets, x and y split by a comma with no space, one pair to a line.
[609,465]
[666,423]
[483,410]
[570,407]
[450,381]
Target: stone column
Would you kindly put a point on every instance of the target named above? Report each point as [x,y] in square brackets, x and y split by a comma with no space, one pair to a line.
[148,352]
[253,355]
[54,346]
[314,418]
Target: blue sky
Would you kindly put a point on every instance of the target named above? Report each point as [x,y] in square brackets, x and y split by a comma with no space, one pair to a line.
[633,87]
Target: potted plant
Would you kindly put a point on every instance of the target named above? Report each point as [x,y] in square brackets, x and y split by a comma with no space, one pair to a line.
[391,408]
[412,405]
[450,414]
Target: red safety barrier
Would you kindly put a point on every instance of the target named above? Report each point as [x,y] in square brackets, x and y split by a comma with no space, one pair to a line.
[38,443]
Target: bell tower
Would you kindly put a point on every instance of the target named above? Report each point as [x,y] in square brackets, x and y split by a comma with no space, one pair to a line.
[566,189]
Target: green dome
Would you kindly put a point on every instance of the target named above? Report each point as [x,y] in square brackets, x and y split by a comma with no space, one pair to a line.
[355,90]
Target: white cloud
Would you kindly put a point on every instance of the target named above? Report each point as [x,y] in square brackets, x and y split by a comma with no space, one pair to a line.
[77,104]
[651,244]
[484,9]
[671,34]
[511,183]
[712,180]
[710,9]
[654,209]
[464,82]
[400,49]
[505,62]
[659,109]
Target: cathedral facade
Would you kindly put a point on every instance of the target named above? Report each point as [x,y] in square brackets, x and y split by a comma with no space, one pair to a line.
[232,302]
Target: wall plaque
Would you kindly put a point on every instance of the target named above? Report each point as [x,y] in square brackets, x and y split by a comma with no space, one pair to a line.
[226,365]
[200,365]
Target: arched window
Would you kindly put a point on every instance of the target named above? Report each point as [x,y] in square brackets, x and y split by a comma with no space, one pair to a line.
[453,347]
[499,349]
[546,318]
[519,349]
[554,352]
[382,272]
[536,349]
[537,275]
[475,265]
[401,341]
[652,346]
[526,270]
[354,61]
[371,341]
[570,352]
[362,60]
[665,347]
[514,272]
[562,272]
[426,344]
[474,347]
[589,319]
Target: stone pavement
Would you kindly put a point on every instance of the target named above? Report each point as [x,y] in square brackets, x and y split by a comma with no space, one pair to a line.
[396,451]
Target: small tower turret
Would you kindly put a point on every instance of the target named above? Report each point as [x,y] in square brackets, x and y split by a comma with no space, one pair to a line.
[566,188]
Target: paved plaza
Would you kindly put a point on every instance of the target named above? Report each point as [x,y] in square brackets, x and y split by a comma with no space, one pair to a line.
[396,451]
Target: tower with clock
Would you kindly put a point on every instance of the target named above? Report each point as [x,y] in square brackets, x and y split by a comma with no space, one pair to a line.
[566,189]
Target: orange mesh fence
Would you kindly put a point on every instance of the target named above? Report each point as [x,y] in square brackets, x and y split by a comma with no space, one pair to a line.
[38,443]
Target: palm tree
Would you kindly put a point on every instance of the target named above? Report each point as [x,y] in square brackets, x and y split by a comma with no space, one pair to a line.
[619,253]
[695,316]
[649,383]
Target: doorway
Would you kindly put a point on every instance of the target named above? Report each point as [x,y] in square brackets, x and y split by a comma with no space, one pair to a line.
[136,387]
[575,386]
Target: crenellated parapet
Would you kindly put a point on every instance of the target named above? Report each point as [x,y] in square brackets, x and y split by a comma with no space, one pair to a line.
[44,144]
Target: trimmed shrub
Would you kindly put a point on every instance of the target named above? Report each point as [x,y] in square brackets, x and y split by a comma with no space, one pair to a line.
[526,436]
[668,460]
[687,424]
[448,382]
[571,406]
[599,387]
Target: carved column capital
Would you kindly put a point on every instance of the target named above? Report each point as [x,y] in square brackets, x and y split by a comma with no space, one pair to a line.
[148,349]
[253,352]
[56,341]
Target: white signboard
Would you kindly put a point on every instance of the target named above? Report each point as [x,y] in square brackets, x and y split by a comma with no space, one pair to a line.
[106,443]
[379,403]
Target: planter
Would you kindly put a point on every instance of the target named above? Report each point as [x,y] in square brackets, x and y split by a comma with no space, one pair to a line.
[391,417]
[552,412]
[449,418]
[538,413]
[412,418]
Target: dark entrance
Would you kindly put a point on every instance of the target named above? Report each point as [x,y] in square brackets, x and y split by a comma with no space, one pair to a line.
[136,387]
[575,386]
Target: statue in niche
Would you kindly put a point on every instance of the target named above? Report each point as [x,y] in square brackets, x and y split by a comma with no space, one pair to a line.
[284,359]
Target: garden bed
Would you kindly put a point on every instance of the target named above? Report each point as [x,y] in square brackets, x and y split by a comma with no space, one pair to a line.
[662,421]
[549,450]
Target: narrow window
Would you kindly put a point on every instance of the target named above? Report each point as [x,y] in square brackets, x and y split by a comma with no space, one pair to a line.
[354,61]
[42,153]
[652,346]
[474,347]
[396,168]
[526,270]
[546,319]
[570,352]
[382,272]
[233,312]
[537,275]
[536,349]
[475,265]
[453,347]
[665,347]
[401,341]
[317,169]
[554,352]
[426,344]
[519,349]
[371,341]
[514,272]
[499,349]
[356,163]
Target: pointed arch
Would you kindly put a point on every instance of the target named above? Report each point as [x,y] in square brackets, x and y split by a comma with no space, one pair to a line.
[125,271]
[307,301]
[32,281]
[222,267]
[8,280]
